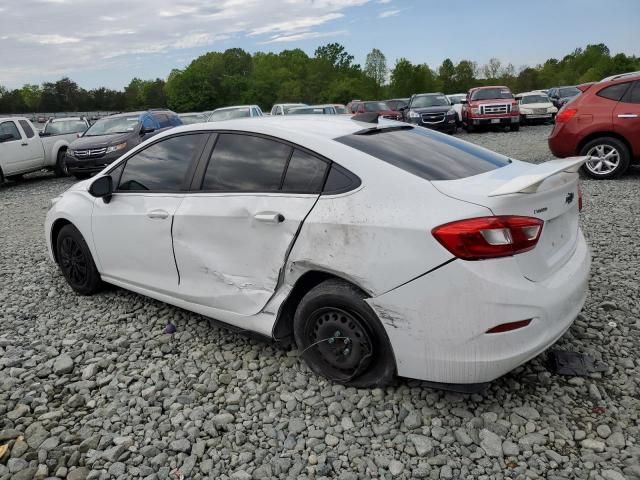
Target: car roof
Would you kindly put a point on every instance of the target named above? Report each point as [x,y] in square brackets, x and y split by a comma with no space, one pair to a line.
[622,76]
[532,92]
[321,126]
[427,94]
[125,114]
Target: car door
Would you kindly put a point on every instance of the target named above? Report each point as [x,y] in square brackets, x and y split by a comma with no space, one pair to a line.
[233,233]
[132,233]
[626,117]
[20,152]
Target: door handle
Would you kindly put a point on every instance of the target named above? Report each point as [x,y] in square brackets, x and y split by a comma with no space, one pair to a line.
[158,214]
[628,115]
[25,144]
[270,217]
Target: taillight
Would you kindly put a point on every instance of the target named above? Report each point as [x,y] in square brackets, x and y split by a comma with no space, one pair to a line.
[566,114]
[489,237]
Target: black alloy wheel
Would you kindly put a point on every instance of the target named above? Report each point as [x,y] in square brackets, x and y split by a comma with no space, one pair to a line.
[76,262]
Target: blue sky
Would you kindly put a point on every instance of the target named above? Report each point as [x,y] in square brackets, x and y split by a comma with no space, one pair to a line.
[107,46]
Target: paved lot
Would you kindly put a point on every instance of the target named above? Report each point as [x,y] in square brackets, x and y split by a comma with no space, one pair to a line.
[92,388]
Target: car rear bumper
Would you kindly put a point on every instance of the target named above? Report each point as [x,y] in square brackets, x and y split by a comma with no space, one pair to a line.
[563,142]
[437,323]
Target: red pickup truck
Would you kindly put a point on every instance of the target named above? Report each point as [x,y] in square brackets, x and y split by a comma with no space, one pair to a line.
[487,106]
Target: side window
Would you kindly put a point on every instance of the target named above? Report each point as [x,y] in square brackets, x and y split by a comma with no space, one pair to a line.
[9,128]
[161,166]
[634,94]
[27,128]
[305,173]
[147,122]
[339,181]
[246,163]
[614,92]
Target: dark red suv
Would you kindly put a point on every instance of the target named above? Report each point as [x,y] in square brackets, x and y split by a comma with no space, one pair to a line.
[603,123]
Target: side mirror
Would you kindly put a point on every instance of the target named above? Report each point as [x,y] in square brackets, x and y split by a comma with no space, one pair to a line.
[5,137]
[41,134]
[145,130]
[518,98]
[463,101]
[102,187]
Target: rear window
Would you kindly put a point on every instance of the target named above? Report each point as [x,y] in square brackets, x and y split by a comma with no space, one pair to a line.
[425,153]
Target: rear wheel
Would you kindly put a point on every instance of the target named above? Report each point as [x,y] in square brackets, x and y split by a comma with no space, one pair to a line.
[61,169]
[340,337]
[610,158]
[76,262]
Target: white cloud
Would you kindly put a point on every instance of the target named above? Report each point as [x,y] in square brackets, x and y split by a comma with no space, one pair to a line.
[389,13]
[384,1]
[44,39]
[304,36]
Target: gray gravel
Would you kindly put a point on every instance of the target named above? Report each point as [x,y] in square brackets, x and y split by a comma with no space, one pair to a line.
[93,388]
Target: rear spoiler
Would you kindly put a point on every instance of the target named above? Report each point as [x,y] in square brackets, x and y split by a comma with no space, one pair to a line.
[529,183]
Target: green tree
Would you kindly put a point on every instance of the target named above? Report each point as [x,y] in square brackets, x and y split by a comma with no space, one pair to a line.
[447,73]
[375,68]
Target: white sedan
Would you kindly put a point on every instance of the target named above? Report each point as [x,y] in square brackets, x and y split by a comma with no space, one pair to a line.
[381,249]
[536,107]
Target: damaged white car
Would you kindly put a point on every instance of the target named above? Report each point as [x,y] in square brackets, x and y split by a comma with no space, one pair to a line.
[381,249]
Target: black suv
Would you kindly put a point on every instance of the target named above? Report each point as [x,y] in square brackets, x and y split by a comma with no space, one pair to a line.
[110,137]
[431,110]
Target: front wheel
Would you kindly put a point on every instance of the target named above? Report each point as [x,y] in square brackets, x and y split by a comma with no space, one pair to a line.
[76,262]
[341,338]
[61,169]
[610,158]
[515,128]
[81,176]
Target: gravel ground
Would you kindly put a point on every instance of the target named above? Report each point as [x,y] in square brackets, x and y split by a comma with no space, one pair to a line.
[93,388]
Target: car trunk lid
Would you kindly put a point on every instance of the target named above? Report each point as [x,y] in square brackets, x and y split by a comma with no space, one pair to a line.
[547,191]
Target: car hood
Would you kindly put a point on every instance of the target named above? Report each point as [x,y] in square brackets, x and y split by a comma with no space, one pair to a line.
[437,109]
[99,141]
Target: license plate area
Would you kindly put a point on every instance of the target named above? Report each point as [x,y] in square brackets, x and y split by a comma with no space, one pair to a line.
[495,120]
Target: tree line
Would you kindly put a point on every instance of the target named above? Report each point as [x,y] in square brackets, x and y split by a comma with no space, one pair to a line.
[234,76]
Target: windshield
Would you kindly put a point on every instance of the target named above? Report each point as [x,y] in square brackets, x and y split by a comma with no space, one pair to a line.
[430,101]
[64,127]
[107,126]
[229,114]
[340,109]
[375,106]
[569,92]
[492,94]
[289,106]
[535,99]
[306,111]
[189,119]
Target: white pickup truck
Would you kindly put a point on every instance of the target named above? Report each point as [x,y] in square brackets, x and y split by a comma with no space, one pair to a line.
[24,150]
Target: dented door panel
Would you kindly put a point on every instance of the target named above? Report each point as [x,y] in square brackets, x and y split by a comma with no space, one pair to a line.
[230,248]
